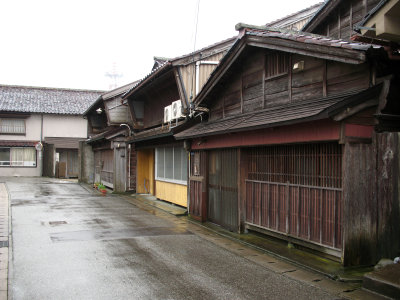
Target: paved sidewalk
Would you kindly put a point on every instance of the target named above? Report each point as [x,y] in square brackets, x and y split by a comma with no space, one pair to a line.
[4,231]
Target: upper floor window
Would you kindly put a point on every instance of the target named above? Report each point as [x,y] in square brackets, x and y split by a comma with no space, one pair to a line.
[277,63]
[12,126]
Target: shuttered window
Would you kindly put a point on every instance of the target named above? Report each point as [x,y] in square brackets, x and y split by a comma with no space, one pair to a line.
[171,164]
[12,126]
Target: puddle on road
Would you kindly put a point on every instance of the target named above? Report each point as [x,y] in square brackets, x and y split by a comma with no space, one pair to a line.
[90,235]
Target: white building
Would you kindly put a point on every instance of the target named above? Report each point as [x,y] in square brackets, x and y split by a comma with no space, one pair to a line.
[40,129]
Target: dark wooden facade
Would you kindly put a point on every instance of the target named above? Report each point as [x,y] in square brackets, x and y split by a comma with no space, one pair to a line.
[337,18]
[296,131]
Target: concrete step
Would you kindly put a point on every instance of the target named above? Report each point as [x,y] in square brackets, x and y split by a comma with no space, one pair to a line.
[385,281]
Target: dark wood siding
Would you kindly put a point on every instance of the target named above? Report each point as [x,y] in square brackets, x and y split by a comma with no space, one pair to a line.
[265,79]
[340,22]
[296,190]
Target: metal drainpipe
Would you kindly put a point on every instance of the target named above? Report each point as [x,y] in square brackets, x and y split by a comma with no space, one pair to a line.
[41,150]
[129,157]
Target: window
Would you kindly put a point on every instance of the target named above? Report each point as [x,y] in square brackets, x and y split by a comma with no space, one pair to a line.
[277,64]
[18,157]
[12,126]
[171,164]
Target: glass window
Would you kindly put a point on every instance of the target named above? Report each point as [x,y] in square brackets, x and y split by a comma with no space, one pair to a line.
[12,126]
[171,164]
[18,157]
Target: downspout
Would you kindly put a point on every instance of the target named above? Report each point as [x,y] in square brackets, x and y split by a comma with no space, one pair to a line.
[129,157]
[41,143]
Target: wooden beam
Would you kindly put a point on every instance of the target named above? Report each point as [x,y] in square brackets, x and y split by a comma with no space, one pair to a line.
[325,79]
[351,20]
[263,81]
[320,51]
[241,94]
[290,72]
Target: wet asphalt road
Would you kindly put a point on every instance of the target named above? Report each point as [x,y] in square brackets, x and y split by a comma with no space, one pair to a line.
[71,243]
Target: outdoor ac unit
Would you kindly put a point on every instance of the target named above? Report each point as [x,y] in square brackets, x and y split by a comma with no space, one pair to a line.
[176,109]
[167,114]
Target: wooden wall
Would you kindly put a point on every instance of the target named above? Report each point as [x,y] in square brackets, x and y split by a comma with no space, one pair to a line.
[188,74]
[117,113]
[340,22]
[132,168]
[171,192]
[370,200]
[156,97]
[249,87]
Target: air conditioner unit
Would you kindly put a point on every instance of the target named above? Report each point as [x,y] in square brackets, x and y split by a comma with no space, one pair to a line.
[168,113]
[176,109]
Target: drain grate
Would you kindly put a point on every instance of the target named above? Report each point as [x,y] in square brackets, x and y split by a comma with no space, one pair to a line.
[55,223]
[3,244]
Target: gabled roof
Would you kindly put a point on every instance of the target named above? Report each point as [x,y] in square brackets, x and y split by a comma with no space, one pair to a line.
[291,42]
[164,64]
[296,17]
[46,100]
[321,14]
[110,94]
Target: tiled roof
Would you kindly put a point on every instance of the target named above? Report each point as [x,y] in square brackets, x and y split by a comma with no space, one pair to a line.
[46,100]
[296,17]
[271,117]
[304,37]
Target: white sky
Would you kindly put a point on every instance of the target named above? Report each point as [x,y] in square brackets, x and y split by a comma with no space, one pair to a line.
[74,43]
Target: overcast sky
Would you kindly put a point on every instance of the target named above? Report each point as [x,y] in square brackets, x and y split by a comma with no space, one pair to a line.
[74,43]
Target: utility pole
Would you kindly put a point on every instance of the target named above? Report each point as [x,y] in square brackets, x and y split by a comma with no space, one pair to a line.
[113,75]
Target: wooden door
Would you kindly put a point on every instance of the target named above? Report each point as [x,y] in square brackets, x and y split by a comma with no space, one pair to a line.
[120,170]
[223,188]
[145,171]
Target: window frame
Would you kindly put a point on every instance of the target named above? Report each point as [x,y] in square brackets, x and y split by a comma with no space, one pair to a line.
[19,166]
[184,166]
[13,133]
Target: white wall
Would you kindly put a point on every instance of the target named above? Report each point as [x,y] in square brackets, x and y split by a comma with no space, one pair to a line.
[32,125]
[53,126]
[64,126]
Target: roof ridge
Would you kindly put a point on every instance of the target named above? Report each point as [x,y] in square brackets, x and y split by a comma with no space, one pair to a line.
[50,88]
[295,13]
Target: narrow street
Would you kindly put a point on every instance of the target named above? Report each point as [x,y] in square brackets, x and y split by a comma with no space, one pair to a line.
[69,242]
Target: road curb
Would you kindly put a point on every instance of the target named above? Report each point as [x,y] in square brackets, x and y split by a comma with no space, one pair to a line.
[5,247]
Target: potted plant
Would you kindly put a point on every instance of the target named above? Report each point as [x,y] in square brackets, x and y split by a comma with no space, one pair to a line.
[102,189]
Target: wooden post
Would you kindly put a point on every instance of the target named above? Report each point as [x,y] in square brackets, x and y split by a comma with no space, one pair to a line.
[290,77]
[351,20]
[325,79]
[287,206]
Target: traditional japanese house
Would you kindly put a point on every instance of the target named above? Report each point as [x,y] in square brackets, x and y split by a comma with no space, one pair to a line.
[40,130]
[297,20]
[337,18]
[158,105]
[287,145]
[110,124]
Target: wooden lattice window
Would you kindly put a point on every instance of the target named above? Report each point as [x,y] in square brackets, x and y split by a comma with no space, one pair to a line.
[277,63]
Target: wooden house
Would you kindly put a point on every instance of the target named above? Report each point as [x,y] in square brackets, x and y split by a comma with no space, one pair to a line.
[40,130]
[337,18]
[113,162]
[158,105]
[287,145]
[297,20]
